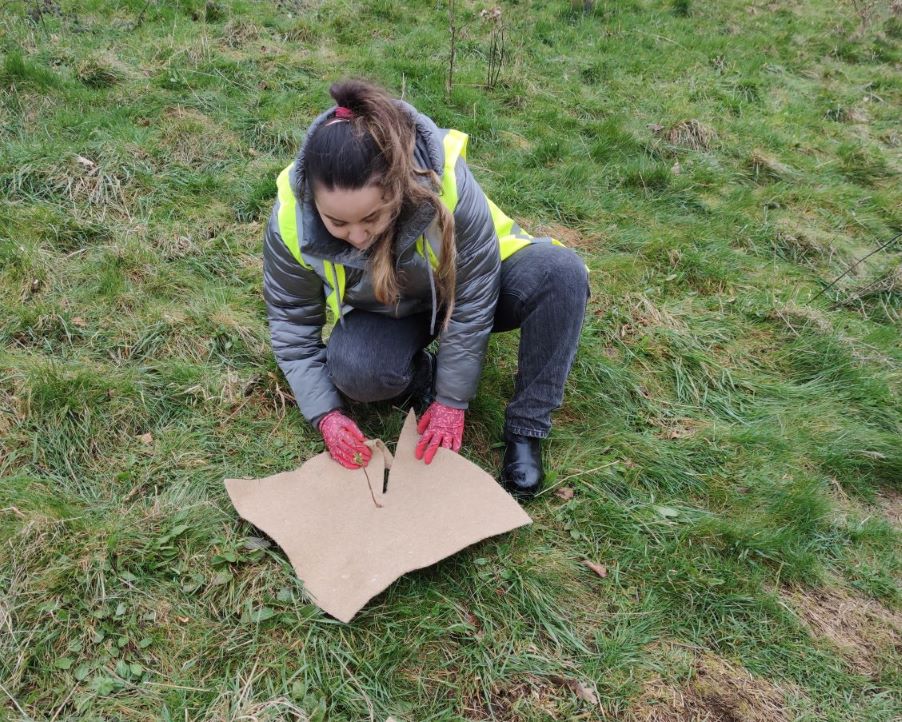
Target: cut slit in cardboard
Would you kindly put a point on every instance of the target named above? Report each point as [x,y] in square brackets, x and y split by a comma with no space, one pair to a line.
[348,535]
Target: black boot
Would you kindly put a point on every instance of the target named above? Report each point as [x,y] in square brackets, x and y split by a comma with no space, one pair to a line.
[427,394]
[421,392]
[522,473]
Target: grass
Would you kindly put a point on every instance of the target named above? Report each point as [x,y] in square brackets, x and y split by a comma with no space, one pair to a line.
[732,445]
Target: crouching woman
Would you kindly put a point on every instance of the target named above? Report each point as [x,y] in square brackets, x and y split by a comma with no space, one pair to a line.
[380,221]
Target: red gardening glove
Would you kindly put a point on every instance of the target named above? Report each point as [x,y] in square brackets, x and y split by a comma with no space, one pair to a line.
[344,440]
[440,426]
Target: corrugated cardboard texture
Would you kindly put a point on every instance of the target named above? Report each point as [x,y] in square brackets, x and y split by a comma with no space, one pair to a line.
[347,541]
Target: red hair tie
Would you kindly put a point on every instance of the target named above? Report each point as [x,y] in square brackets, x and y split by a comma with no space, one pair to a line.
[343,113]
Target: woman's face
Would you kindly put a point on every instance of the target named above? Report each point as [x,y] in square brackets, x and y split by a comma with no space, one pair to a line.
[357,217]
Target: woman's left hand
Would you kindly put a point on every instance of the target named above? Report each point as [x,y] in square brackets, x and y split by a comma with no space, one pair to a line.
[440,426]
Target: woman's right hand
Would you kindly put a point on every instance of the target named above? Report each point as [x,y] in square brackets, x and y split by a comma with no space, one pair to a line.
[344,440]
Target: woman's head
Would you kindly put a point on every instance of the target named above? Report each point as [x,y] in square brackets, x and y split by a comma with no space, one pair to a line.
[359,167]
[358,163]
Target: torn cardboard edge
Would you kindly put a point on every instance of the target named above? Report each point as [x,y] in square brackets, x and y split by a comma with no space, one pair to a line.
[348,536]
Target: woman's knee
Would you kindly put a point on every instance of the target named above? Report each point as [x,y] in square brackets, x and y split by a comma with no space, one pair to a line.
[365,382]
[568,274]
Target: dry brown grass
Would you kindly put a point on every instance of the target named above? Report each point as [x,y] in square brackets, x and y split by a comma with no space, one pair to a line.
[765,166]
[803,242]
[103,70]
[672,429]
[511,699]
[239,32]
[890,502]
[194,139]
[889,282]
[691,134]
[796,317]
[568,236]
[864,631]
[847,115]
[86,182]
[644,314]
[718,691]
[800,319]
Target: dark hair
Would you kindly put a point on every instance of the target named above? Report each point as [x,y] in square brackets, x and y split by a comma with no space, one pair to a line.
[343,155]
[376,146]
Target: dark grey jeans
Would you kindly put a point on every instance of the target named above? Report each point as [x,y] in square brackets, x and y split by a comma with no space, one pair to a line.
[544,290]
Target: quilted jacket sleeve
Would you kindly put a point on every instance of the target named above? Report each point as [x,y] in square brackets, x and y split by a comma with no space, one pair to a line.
[296,309]
[463,343]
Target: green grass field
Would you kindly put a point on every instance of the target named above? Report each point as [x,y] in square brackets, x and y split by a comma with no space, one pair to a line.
[733,444]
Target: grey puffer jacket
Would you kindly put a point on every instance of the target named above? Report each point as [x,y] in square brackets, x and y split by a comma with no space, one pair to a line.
[295,296]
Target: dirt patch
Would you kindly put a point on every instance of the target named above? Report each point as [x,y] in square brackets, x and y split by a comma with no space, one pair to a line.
[717,691]
[864,631]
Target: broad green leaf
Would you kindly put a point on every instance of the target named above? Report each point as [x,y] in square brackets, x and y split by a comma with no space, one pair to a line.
[104,686]
[262,614]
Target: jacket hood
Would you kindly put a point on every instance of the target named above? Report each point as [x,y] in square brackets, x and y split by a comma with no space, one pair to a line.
[413,221]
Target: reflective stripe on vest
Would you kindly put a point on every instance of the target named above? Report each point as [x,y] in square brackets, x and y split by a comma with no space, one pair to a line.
[455,145]
[289,222]
[334,272]
[424,248]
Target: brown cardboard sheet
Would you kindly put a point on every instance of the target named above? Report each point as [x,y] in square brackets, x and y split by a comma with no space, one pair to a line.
[348,541]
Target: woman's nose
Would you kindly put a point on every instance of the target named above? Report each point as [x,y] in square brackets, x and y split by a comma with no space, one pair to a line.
[357,236]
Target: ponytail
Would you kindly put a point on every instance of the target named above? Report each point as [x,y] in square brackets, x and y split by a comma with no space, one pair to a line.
[375,146]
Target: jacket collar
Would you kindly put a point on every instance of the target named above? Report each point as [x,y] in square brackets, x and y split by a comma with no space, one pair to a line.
[413,221]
